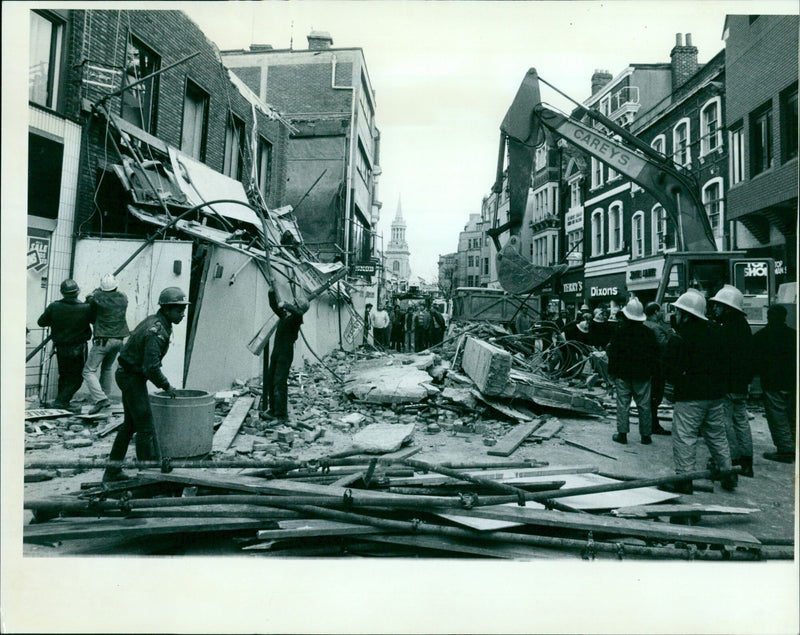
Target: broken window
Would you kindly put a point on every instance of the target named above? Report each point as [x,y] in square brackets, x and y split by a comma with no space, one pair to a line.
[140,102]
[234,143]
[195,111]
[44,61]
[45,157]
[264,166]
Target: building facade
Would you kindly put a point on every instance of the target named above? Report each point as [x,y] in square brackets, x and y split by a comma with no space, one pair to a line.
[471,262]
[333,161]
[761,70]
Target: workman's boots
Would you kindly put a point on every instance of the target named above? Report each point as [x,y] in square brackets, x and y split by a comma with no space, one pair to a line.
[114,475]
[620,437]
[746,463]
[728,480]
[657,429]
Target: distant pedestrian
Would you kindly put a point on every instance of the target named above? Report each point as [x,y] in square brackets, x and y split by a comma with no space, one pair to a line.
[422,324]
[380,323]
[398,328]
[109,306]
[367,323]
[694,368]
[140,361]
[411,316]
[663,332]
[69,321]
[436,332]
[775,364]
[727,309]
[632,357]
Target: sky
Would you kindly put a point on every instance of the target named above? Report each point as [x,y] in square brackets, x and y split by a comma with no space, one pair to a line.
[444,74]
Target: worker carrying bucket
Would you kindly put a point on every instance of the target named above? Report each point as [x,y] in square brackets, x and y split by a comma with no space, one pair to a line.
[140,361]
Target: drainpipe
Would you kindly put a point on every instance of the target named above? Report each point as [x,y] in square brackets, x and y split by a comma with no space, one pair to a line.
[353,136]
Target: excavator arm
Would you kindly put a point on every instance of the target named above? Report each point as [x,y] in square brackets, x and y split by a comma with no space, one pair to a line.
[656,174]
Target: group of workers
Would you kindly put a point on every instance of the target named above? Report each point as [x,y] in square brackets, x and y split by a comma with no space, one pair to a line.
[417,328]
[709,356]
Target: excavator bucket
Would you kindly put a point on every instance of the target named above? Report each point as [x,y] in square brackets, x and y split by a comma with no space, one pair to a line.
[517,275]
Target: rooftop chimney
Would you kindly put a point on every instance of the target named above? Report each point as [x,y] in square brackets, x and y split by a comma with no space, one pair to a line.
[684,60]
[319,40]
[257,48]
[600,79]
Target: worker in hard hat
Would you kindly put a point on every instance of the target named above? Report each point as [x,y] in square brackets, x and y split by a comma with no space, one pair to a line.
[663,332]
[69,320]
[290,318]
[775,364]
[109,306]
[727,310]
[140,361]
[693,366]
[632,358]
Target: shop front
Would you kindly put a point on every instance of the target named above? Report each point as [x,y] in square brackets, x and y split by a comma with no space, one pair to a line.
[643,277]
[609,290]
[572,291]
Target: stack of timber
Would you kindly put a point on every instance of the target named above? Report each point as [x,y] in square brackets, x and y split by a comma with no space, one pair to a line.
[387,505]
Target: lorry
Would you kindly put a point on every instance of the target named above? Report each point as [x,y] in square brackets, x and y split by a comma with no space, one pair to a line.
[696,264]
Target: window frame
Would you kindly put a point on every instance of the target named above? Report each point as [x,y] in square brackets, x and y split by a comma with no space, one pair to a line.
[55,59]
[789,123]
[662,222]
[598,238]
[190,84]
[761,161]
[663,142]
[150,88]
[264,175]
[637,220]
[596,173]
[615,235]
[234,136]
[706,147]
[736,145]
[719,183]
[677,150]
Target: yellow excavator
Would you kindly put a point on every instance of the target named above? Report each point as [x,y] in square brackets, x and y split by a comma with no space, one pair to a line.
[697,263]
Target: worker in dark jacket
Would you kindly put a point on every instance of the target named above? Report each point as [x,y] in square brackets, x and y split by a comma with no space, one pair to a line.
[599,329]
[663,332]
[110,330]
[776,345]
[140,361]
[727,310]
[632,356]
[693,366]
[436,330]
[290,317]
[69,321]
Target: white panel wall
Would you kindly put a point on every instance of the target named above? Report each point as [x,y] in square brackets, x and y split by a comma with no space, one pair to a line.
[142,281]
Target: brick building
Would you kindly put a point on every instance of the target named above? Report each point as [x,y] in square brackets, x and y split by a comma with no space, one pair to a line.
[761,120]
[334,154]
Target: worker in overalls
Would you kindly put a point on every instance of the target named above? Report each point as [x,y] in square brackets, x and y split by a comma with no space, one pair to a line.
[140,361]
[290,318]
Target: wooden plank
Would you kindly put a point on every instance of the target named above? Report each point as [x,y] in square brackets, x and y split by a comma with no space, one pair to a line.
[110,427]
[550,428]
[654,511]
[316,527]
[487,365]
[46,413]
[460,545]
[513,439]
[508,411]
[617,526]
[225,434]
[74,529]
[348,479]
[496,475]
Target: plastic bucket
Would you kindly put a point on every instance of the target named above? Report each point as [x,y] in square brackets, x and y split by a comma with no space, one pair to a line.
[184,425]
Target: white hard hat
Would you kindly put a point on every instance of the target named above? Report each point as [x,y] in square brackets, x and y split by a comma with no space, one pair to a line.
[634,310]
[730,296]
[108,282]
[693,302]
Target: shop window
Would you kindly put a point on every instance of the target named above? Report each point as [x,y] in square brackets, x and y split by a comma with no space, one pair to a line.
[45,157]
[234,144]
[737,152]
[195,119]
[761,140]
[789,130]
[44,59]
[597,232]
[681,153]
[140,103]
[264,166]
[712,200]
[710,131]
[637,234]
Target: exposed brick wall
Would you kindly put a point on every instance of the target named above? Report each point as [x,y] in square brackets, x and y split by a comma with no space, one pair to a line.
[306,88]
[251,76]
[101,36]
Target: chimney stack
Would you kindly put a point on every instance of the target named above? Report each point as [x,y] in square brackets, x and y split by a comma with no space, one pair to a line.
[600,79]
[684,60]
[319,40]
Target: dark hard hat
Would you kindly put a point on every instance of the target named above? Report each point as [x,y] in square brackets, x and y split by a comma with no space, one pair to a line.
[172,295]
[651,308]
[69,288]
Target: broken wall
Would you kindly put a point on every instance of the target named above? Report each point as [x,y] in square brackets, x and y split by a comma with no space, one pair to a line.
[142,281]
[232,313]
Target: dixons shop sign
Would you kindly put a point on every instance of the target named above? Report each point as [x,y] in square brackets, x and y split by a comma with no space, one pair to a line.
[608,286]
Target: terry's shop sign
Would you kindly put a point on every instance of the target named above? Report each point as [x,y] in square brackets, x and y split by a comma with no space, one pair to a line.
[573,287]
[364,269]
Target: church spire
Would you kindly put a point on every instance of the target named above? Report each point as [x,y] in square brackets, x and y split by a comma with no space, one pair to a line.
[399,214]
